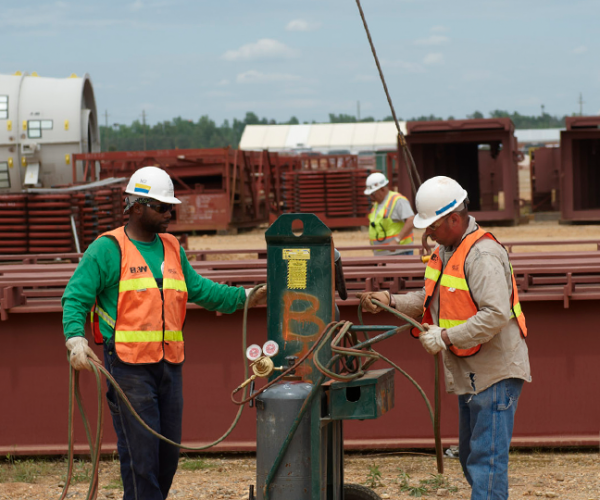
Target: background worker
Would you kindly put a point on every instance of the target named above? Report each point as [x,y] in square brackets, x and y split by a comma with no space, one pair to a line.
[138,280]
[470,308]
[391,217]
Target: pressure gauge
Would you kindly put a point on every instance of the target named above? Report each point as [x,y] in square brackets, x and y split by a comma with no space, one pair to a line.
[270,348]
[253,352]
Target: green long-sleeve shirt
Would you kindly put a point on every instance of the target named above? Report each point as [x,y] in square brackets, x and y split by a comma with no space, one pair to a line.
[98,273]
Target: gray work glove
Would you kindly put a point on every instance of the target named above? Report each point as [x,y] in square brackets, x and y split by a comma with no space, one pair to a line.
[258,298]
[365,301]
[79,351]
[432,339]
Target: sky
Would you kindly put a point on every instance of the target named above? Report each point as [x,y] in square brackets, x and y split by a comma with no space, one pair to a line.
[309,58]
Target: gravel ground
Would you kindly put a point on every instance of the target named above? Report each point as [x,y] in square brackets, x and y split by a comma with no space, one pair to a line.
[534,231]
[565,475]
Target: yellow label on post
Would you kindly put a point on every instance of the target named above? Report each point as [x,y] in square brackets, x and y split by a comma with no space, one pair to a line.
[68,159]
[10,162]
[66,124]
[296,278]
[23,161]
[24,124]
[296,254]
[8,124]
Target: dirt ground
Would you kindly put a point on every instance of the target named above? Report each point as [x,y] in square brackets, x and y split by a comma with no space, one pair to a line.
[534,231]
[562,475]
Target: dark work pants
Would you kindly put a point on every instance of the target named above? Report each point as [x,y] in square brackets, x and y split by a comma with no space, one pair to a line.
[148,464]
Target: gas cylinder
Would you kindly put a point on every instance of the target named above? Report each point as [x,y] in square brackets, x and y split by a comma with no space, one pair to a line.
[276,410]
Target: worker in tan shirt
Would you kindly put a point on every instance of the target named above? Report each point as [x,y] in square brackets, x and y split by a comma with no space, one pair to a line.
[472,314]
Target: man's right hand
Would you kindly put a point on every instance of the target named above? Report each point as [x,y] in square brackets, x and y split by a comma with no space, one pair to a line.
[79,352]
[368,306]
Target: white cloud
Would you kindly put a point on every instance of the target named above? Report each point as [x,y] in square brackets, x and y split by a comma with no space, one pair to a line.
[580,50]
[301,25]
[433,58]
[265,48]
[439,29]
[254,76]
[137,5]
[432,40]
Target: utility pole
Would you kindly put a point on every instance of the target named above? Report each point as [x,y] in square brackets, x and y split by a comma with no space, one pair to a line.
[144,126]
[106,126]
[580,104]
[357,111]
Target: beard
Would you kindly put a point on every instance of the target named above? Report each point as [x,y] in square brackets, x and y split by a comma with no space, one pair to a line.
[152,225]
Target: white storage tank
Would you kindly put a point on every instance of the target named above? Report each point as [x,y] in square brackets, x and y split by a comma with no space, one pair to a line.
[43,122]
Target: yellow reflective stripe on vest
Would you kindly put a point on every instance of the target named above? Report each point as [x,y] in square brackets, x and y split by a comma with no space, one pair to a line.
[173,336]
[388,240]
[137,336]
[454,282]
[137,284]
[449,323]
[432,274]
[171,284]
[517,310]
[105,316]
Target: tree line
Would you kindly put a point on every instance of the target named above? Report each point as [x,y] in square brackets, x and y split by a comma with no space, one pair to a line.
[180,133]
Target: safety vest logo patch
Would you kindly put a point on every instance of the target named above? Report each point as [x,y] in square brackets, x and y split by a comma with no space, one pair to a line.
[139,269]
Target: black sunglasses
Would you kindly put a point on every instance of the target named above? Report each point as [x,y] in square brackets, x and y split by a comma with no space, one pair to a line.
[162,208]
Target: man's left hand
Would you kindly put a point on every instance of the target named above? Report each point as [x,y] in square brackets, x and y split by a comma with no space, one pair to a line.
[432,339]
[258,298]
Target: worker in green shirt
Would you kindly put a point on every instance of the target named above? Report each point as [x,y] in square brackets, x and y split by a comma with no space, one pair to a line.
[137,281]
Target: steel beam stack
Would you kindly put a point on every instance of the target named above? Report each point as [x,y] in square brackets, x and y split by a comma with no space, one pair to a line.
[49,223]
[335,196]
[559,292]
[221,189]
[99,211]
[13,223]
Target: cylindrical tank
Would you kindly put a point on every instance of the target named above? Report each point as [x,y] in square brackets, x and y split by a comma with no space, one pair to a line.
[276,409]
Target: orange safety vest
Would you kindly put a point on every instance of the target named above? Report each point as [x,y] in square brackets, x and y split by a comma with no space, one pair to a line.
[149,324]
[456,301]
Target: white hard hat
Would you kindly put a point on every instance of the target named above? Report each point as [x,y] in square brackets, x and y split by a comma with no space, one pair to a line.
[375,181]
[435,198]
[152,182]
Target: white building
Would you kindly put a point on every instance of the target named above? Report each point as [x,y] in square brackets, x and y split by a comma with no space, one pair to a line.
[322,137]
[43,122]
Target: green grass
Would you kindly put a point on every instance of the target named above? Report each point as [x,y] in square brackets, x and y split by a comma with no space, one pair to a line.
[115,484]
[426,486]
[195,464]
[374,477]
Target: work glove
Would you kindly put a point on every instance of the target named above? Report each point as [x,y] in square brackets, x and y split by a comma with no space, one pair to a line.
[258,298]
[368,306]
[79,351]
[431,339]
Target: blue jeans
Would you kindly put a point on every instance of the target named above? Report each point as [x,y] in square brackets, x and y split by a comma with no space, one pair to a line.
[485,430]
[148,465]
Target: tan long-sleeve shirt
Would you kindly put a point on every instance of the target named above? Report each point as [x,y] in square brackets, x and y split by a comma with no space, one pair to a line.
[503,351]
